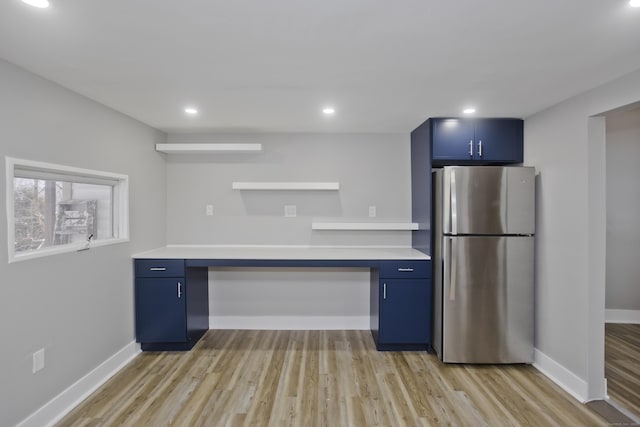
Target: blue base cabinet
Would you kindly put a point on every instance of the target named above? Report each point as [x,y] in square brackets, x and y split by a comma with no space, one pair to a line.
[459,141]
[171,304]
[160,310]
[401,305]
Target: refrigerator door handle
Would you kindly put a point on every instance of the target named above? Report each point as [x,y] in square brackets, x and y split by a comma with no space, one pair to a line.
[449,268]
[452,273]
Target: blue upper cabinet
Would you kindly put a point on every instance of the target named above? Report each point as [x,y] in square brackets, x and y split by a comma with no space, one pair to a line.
[499,140]
[457,141]
[452,140]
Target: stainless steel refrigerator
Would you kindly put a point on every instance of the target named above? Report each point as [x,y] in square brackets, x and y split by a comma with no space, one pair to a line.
[484,226]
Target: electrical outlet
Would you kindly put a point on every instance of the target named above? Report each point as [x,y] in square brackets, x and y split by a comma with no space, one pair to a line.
[209,210]
[290,211]
[38,360]
[372,211]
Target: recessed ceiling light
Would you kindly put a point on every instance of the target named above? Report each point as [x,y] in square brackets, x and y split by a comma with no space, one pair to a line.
[328,111]
[37,3]
[191,111]
[634,3]
[469,110]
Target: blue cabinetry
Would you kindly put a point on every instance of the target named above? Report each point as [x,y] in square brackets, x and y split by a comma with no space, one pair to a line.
[401,305]
[160,310]
[421,186]
[172,301]
[457,141]
[171,304]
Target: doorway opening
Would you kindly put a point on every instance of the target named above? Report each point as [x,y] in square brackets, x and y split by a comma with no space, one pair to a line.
[622,283]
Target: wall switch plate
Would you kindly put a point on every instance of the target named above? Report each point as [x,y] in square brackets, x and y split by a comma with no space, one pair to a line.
[38,360]
[290,211]
[372,211]
[209,210]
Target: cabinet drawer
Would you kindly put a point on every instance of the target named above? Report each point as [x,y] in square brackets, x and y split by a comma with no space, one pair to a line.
[405,269]
[159,267]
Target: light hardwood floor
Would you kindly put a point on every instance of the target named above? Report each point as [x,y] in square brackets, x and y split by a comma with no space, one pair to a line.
[321,378]
[622,364]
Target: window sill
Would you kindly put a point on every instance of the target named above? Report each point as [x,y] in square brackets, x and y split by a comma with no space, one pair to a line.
[63,249]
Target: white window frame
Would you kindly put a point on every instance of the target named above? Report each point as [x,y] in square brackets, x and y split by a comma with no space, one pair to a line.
[120,206]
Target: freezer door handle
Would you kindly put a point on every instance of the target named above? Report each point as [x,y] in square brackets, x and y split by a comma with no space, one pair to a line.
[454,208]
[446,202]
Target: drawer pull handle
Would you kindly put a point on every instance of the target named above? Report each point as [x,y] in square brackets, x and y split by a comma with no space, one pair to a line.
[158,269]
[405,270]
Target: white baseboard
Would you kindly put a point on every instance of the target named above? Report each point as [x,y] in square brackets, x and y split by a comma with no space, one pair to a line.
[625,411]
[62,404]
[622,316]
[567,380]
[289,322]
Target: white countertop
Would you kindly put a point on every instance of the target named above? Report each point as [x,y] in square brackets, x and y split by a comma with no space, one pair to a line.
[282,252]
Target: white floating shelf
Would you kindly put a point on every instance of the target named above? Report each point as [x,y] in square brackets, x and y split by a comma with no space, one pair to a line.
[364,226]
[208,148]
[285,186]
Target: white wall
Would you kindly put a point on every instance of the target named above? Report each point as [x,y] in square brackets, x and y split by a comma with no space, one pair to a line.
[373,170]
[623,210]
[567,148]
[77,306]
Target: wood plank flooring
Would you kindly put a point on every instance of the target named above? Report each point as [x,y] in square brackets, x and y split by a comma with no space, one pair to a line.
[321,378]
[622,364]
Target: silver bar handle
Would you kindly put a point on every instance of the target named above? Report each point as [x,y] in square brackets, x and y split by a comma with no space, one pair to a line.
[454,204]
[480,148]
[179,289]
[384,291]
[405,270]
[471,148]
[446,203]
[158,269]
[452,273]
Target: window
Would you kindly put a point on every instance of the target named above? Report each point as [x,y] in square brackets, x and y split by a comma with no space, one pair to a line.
[54,209]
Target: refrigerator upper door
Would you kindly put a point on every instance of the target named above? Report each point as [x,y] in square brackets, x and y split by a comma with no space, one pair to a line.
[488,200]
[487,299]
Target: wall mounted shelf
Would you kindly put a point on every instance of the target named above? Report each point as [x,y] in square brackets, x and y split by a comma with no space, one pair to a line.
[364,226]
[208,148]
[285,186]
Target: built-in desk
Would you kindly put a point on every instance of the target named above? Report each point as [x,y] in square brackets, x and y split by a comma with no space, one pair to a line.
[172,300]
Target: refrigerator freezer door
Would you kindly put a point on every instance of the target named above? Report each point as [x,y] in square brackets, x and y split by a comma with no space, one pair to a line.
[521,200]
[488,200]
[487,299]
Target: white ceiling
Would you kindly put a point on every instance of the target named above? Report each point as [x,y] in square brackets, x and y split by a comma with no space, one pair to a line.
[271,65]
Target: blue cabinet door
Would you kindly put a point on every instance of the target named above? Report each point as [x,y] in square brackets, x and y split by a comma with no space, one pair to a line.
[499,140]
[160,310]
[405,311]
[452,140]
